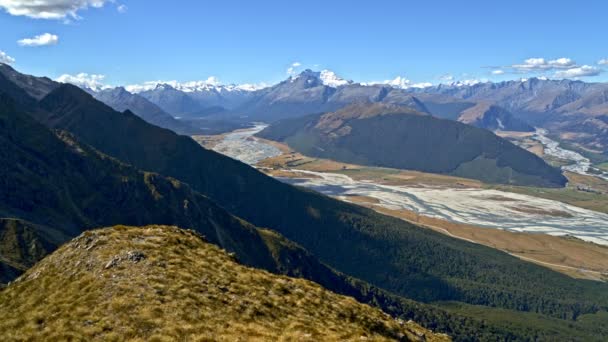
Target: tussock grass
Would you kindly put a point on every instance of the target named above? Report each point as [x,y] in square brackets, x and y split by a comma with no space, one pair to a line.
[160,283]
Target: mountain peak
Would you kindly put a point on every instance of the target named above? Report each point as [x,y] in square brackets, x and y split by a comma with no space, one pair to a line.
[324,77]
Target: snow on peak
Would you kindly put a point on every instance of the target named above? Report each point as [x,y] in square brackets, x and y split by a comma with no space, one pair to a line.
[326,77]
[210,84]
[400,83]
[464,83]
[330,79]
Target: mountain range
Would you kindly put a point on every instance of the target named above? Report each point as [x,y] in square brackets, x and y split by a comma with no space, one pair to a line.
[72,163]
[383,135]
[573,111]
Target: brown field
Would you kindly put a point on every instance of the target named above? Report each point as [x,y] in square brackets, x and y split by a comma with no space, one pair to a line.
[569,255]
[582,191]
[388,176]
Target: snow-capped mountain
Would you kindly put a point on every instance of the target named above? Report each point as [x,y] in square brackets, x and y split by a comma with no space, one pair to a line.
[324,77]
[210,84]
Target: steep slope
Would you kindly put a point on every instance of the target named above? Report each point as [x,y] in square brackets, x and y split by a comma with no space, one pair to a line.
[121,100]
[159,282]
[22,244]
[171,100]
[398,137]
[492,117]
[385,252]
[480,114]
[54,181]
[36,87]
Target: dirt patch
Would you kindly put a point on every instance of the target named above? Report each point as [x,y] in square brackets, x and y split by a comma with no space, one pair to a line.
[538,211]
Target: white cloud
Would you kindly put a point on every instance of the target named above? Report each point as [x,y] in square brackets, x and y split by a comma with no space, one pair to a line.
[498,72]
[84,80]
[603,61]
[122,8]
[6,59]
[541,64]
[49,9]
[581,71]
[296,64]
[40,40]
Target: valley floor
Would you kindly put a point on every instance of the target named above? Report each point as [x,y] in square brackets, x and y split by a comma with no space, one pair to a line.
[574,240]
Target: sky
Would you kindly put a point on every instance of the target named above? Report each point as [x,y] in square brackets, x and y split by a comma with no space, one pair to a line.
[123,42]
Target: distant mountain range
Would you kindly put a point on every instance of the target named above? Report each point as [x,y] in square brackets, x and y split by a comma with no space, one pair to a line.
[378,134]
[71,163]
[573,111]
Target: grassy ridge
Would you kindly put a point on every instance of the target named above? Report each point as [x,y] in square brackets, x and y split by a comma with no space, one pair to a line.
[164,283]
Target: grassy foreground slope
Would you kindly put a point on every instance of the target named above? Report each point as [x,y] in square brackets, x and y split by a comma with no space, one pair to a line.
[161,283]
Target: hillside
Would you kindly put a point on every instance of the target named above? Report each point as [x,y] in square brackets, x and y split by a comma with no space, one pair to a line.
[121,100]
[58,187]
[388,255]
[398,137]
[160,282]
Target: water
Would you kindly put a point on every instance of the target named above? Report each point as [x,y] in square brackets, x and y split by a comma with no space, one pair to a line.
[580,164]
[241,145]
[480,207]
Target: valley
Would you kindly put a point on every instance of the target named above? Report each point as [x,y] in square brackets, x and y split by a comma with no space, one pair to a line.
[565,237]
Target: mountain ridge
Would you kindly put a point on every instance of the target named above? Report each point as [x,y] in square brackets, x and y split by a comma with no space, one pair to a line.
[393,136]
[184,288]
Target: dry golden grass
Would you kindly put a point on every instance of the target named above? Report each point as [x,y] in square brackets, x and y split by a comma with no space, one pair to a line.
[161,283]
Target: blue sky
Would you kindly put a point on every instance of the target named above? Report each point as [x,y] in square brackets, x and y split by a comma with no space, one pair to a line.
[257,41]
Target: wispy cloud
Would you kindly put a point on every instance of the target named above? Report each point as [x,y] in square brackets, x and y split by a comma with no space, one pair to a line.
[582,71]
[446,78]
[292,70]
[122,8]
[6,59]
[49,9]
[557,68]
[40,40]
[603,61]
[536,64]
[498,72]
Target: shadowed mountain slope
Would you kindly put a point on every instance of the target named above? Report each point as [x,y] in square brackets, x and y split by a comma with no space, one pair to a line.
[398,137]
